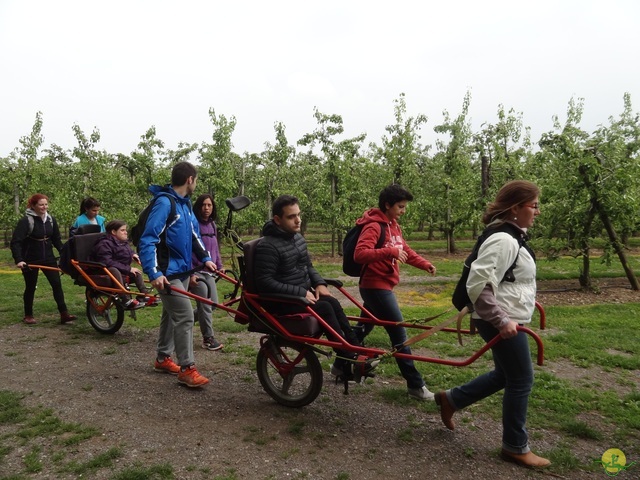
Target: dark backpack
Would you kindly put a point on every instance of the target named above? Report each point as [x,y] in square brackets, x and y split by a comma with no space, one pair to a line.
[460,297]
[349,265]
[138,229]
[66,254]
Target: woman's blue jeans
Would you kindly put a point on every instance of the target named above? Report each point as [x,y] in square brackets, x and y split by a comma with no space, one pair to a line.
[514,373]
[384,305]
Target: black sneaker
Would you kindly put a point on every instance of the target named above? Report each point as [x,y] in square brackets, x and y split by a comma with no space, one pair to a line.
[362,370]
[210,343]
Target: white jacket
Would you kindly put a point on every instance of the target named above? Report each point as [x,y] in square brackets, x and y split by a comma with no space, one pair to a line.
[496,255]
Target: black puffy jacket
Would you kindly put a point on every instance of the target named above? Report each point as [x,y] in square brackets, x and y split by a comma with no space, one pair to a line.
[282,263]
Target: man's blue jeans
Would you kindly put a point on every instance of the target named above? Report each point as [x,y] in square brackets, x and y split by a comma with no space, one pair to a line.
[514,373]
[384,305]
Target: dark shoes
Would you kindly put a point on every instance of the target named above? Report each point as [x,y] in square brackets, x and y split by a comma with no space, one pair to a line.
[446,410]
[363,370]
[210,343]
[355,370]
[66,318]
[529,459]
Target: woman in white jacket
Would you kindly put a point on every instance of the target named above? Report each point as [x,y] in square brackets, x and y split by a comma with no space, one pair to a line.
[500,305]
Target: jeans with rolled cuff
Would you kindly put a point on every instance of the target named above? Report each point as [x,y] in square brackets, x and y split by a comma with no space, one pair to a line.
[513,372]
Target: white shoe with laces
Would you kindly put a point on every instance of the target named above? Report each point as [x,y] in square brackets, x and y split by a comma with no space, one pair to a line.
[423,394]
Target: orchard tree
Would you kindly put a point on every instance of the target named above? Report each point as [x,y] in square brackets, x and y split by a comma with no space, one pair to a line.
[216,173]
[503,149]
[22,163]
[334,153]
[424,207]
[89,159]
[456,188]
[142,163]
[401,148]
[401,156]
[276,161]
[587,183]
[362,180]
[611,178]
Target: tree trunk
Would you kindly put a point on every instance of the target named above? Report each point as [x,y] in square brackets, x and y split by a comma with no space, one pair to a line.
[585,274]
[484,172]
[613,238]
[606,221]
[451,241]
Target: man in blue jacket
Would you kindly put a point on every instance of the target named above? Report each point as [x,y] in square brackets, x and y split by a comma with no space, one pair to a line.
[165,250]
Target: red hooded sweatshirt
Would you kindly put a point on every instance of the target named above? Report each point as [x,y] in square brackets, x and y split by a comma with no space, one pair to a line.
[382,269]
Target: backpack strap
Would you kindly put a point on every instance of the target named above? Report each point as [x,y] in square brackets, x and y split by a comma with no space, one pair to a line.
[383,235]
[521,238]
[31,224]
[379,244]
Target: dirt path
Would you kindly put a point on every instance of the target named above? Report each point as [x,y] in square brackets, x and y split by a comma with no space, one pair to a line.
[232,429]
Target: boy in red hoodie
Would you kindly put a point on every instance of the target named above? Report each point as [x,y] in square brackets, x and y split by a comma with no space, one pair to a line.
[381,273]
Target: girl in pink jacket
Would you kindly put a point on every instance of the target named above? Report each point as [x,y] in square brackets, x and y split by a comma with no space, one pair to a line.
[381,273]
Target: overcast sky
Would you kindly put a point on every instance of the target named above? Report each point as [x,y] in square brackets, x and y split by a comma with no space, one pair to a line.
[124,66]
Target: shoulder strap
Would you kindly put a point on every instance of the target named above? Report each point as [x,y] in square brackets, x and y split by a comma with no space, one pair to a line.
[172,201]
[517,234]
[383,235]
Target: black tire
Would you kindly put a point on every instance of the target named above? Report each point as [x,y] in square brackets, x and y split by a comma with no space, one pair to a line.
[289,372]
[101,310]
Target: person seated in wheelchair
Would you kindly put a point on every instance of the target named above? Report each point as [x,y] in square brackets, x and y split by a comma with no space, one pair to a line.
[114,252]
[282,265]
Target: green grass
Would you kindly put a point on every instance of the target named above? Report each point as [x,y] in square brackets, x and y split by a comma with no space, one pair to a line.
[586,391]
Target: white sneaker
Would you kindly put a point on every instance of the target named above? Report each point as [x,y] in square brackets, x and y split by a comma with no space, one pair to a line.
[421,394]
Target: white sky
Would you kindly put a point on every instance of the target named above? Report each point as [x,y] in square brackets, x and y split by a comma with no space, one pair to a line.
[124,66]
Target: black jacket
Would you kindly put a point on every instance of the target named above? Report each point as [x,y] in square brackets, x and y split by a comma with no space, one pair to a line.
[282,263]
[37,246]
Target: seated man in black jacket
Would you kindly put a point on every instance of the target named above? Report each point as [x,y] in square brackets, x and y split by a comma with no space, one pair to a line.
[282,265]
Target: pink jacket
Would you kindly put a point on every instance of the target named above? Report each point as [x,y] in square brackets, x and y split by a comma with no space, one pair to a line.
[383,271]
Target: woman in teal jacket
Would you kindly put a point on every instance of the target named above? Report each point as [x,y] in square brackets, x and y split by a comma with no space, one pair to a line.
[89,209]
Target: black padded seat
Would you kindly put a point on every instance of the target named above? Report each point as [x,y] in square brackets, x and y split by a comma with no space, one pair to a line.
[83,246]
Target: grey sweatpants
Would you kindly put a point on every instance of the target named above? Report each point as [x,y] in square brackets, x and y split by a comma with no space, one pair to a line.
[205,287]
[176,325]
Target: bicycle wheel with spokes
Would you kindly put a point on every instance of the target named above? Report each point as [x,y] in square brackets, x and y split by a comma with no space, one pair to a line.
[103,313]
[289,372]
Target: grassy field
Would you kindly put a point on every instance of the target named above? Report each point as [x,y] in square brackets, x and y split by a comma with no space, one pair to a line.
[587,392]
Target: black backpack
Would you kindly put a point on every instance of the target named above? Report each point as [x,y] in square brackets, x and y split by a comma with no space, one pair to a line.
[460,297]
[138,229]
[67,252]
[349,265]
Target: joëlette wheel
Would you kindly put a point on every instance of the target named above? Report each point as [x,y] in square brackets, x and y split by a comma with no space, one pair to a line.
[103,313]
[289,372]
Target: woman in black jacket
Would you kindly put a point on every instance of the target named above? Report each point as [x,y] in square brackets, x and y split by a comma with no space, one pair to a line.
[33,240]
